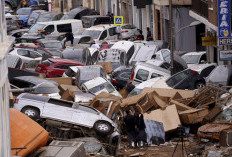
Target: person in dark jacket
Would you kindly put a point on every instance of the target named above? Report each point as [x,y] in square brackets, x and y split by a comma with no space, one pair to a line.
[140,36]
[69,37]
[129,121]
[142,136]
[149,37]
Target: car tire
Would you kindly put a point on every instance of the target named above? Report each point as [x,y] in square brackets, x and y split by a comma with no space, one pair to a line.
[31,112]
[102,128]
[199,85]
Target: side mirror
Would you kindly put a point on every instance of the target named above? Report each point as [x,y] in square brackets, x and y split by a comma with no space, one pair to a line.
[202,61]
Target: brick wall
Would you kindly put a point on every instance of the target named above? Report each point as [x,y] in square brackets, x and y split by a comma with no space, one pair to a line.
[212,13]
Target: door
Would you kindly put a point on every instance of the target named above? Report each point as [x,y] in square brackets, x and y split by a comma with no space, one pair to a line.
[112,34]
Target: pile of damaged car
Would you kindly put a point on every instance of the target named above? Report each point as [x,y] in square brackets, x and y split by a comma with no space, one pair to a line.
[81,86]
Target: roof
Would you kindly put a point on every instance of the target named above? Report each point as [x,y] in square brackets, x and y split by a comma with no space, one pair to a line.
[50,13]
[95,16]
[60,21]
[101,27]
[196,53]
[34,97]
[55,60]
[153,67]
[35,80]
[200,67]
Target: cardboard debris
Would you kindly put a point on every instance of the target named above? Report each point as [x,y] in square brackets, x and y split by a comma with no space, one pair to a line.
[193,116]
[213,113]
[107,67]
[64,87]
[62,80]
[180,106]
[169,117]
[124,93]
[68,95]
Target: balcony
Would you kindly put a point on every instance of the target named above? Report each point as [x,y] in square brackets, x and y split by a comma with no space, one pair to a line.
[200,7]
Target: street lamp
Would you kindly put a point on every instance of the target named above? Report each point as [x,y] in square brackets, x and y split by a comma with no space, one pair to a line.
[42,88]
[194,23]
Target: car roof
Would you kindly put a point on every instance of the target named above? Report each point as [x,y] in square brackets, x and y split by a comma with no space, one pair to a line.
[95,82]
[60,60]
[50,13]
[152,67]
[35,80]
[200,67]
[60,21]
[49,41]
[33,97]
[95,16]
[101,27]
[195,53]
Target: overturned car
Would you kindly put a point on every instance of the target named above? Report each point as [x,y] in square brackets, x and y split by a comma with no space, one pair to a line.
[67,119]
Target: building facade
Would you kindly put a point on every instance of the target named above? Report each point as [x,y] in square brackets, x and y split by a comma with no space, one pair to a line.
[5,42]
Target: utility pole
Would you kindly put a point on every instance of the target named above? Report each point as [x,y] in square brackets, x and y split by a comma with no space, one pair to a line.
[171,36]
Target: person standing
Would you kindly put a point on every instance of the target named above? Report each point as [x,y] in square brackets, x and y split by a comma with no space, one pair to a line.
[140,36]
[69,37]
[142,136]
[148,34]
[129,121]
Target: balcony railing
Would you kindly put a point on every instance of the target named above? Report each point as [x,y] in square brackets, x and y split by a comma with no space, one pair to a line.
[200,7]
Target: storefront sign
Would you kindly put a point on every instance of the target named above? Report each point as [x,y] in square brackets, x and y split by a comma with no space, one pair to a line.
[225,55]
[208,41]
[224,31]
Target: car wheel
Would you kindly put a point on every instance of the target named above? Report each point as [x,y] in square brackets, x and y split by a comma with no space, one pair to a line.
[31,112]
[102,128]
[199,85]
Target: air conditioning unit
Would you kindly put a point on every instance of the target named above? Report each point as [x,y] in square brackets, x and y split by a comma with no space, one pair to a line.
[64,149]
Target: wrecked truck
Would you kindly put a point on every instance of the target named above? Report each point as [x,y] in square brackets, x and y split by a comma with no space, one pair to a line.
[69,119]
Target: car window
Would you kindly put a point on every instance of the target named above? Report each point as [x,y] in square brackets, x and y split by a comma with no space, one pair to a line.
[177,78]
[70,73]
[34,54]
[154,75]
[42,51]
[84,40]
[112,31]
[207,71]
[47,63]
[22,84]
[60,102]
[62,66]
[203,57]
[49,29]
[142,74]
[22,52]
[87,109]
[165,66]
[125,75]
[64,28]
[103,35]
[100,87]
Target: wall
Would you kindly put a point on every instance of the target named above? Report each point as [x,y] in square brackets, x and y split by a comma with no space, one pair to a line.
[212,12]
[5,43]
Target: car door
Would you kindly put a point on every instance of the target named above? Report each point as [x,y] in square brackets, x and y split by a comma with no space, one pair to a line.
[84,116]
[141,75]
[55,109]
[112,33]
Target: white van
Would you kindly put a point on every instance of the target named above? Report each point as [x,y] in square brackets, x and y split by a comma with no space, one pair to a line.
[53,27]
[145,71]
[102,32]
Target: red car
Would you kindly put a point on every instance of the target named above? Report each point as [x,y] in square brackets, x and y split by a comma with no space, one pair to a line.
[54,67]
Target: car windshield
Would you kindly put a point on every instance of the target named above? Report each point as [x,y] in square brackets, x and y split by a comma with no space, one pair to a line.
[134,92]
[68,16]
[191,59]
[93,33]
[225,115]
[53,45]
[47,62]
[107,86]
[35,28]
[44,19]
[70,73]
[24,11]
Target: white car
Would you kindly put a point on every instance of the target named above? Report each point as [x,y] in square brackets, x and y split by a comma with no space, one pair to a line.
[102,32]
[61,111]
[26,55]
[128,31]
[158,82]
[98,85]
[194,58]
[204,69]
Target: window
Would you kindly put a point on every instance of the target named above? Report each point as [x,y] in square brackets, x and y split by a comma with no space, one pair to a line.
[64,28]
[211,4]
[112,31]
[207,71]
[142,75]
[154,75]
[103,35]
[62,66]
[24,53]
[84,40]
[49,29]
[34,54]
[177,78]
[125,75]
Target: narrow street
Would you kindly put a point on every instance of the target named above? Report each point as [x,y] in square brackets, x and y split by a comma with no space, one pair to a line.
[115,78]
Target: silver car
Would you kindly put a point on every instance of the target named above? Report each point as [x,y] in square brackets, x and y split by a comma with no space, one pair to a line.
[40,107]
